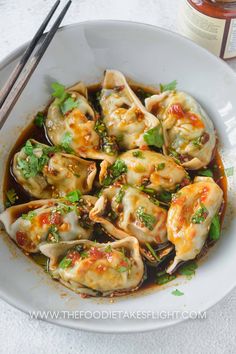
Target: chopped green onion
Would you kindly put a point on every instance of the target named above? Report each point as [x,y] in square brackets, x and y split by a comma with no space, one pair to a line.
[214,232]
[153,253]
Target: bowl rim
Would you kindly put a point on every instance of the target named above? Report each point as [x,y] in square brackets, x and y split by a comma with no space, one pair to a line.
[87,326]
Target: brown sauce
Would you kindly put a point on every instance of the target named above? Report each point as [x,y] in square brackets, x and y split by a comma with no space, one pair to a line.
[39,134]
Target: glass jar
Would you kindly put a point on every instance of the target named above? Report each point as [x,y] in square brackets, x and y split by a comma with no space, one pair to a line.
[210,23]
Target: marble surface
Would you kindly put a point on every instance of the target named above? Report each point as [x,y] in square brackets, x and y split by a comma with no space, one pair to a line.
[19,20]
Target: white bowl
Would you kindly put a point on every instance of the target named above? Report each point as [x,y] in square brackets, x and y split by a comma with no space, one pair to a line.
[148,55]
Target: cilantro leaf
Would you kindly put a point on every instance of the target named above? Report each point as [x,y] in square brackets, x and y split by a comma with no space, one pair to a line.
[118,168]
[214,232]
[147,219]
[34,163]
[115,171]
[168,87]
[177,292]
[74,196]
[154,137]
[59,91]
[68,105]
[39,119]
[28,148]
[66,141]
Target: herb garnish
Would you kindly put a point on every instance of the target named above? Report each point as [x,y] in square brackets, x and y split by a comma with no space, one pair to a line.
[177,292]
[165,196]
[200,215]
[163,278]
[108,249]
[115,171]
[29,216]
[108,143]
[34,163]
[147,219]
[174,154]
[207,173]
[68,105]
[64,98]
[119,196]
[154,136]
[157,198]
[11,197]
[160,166]
[122,269]
[66,141]
[151,250]
[74,196]
[84,254]
[188,269]
[138,154]
[65,263]
[39,119]
[214,232]
[53,235]
[168,87]
[59,91]
[197,142]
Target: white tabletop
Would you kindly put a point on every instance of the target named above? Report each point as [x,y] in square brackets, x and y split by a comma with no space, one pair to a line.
[19,20]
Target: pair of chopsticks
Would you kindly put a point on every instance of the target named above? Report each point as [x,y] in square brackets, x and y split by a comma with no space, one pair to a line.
[16,83]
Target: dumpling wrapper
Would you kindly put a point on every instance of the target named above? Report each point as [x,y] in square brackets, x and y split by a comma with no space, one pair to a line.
[189,133]
[77,127]
[187,235]
[123,113]
[149,168]
[96,269]
[61,173]
[53,220]
[126,211]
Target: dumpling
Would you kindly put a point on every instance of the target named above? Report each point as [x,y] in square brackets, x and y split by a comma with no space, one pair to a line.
[96,269]
[189,133]
[190,217]
[71,122]
[148,168]
[123,114]
[50,220]
[124,211]
[46,173]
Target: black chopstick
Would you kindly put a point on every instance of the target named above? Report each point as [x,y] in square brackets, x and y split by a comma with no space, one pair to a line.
[31,64]
[19,67]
